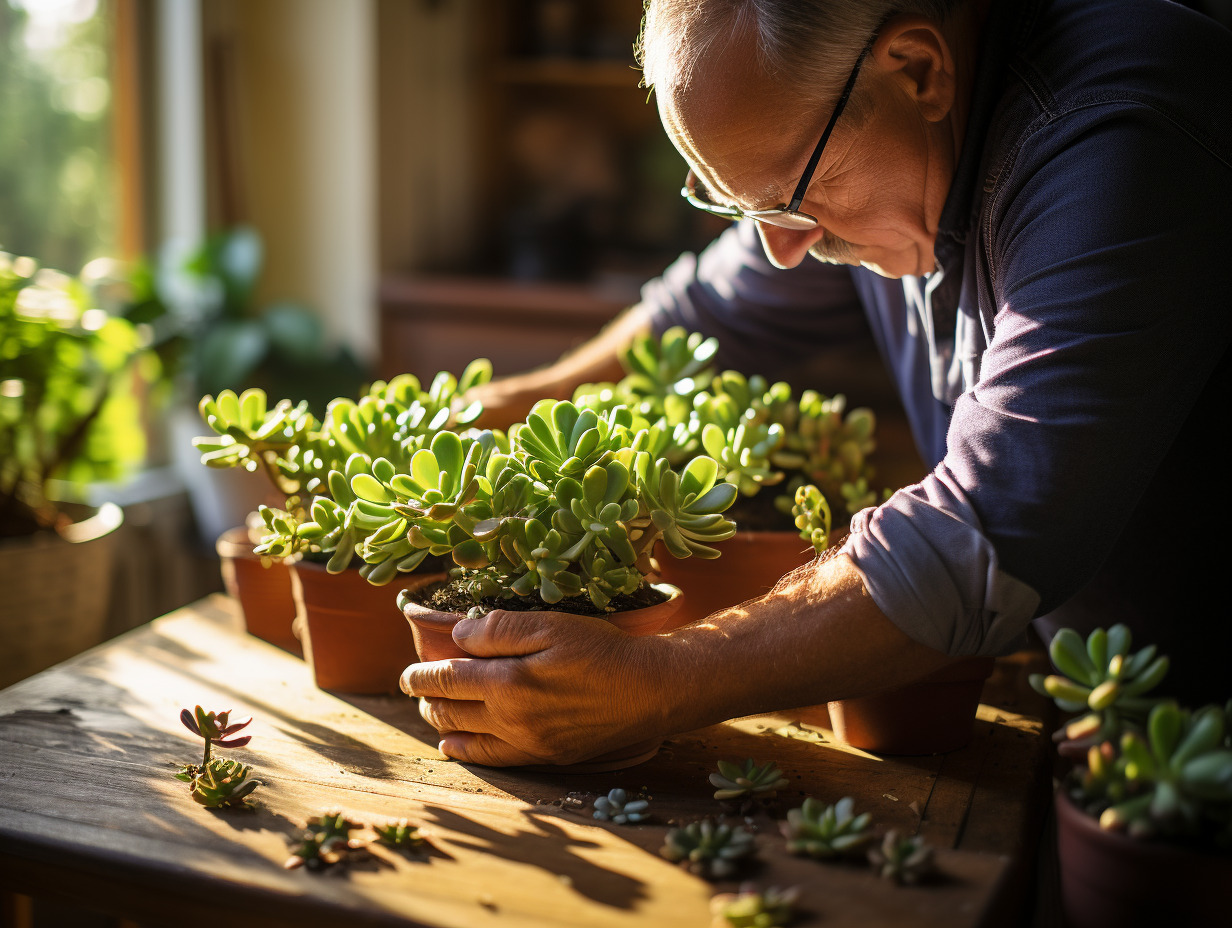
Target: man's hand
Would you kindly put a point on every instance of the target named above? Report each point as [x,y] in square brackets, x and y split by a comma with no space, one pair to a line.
[552,688]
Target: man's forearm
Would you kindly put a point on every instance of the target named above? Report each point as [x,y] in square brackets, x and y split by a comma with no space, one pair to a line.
[818,636]
[509,399]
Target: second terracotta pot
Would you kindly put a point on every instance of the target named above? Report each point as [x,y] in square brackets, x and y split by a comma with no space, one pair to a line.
[433,633]
[353,635]
[262,588]
[934,715]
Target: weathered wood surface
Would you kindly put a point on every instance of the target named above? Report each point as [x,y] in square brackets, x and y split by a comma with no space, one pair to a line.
[89,809]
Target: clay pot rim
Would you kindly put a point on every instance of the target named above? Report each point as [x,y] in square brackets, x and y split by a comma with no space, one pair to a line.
[1072,816]
[419,613]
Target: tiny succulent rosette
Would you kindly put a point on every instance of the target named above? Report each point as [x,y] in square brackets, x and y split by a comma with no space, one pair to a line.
[1101,678]
[709,849]
[324,842]
[771,907]
[827,832]
[219,783]
[617,806]
[402,836]
[903,858]
[746,781]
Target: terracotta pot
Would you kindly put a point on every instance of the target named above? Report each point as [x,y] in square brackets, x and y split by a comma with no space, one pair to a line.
[1109,879]
[55,590]
[934,715]
[434,640]
[352,633]
[750,565]
[262,588]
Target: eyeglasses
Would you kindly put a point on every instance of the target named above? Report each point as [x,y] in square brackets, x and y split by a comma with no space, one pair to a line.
[789,216]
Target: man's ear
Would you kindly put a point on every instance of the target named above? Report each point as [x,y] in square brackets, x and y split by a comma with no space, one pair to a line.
[913,51]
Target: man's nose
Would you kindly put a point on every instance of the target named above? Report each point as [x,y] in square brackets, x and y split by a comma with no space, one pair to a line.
[787,247]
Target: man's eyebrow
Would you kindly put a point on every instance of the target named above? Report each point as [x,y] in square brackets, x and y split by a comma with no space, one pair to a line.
[767,197]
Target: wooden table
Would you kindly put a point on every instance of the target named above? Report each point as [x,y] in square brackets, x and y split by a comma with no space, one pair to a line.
[90,812]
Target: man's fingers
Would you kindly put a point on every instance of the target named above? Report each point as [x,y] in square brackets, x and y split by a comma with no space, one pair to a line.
[455,678]
[511,634]
[479,748]
[446,715]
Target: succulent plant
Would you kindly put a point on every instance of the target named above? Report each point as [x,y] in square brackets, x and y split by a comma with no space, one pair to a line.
[324,841]
[1101,678]
[617,807]
[1174,781]
[902,858]
[753,908]
[569,504]
[401,835]
[219,783]
[759,433]
[215,728]
[746,781]
[709,849]
[827,831]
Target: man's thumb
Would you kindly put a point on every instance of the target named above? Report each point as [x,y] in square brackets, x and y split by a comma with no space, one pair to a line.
[501,633]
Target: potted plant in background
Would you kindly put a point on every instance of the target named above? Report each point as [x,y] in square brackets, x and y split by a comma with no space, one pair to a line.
[65,411]
[561,514]
[1148,803]
[352,636]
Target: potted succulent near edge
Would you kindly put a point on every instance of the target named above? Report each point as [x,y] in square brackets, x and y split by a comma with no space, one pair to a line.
[352,635]
[65,413]
[782,453]
[561,514]
[1144,818]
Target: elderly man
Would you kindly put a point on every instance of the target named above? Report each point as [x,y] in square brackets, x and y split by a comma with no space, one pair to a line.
[1034,196]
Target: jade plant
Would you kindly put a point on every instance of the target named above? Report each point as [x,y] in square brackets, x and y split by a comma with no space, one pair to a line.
[756,908]
[827,831]
[565,509]
[215,782]
[760,433]
[618,807]
[746,781]
[903,858]
[1101,679]
[709,849]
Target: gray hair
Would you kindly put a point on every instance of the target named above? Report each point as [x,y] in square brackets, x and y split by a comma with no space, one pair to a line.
[812,43]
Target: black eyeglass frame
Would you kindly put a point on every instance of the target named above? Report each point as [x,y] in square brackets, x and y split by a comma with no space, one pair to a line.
[789,216]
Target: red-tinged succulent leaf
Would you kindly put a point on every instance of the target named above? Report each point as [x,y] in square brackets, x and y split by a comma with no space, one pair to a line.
[233,742]
[236,726]
[189,722]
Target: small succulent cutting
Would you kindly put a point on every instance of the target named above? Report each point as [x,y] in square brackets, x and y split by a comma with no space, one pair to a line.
[902,858]
[753,908]
[811,513]
[827,831]
[220,783]
[216,728]
[401,835]
[324,842]
[216,783]
[709,849]
[617,807]
[746,781]
[1101,678]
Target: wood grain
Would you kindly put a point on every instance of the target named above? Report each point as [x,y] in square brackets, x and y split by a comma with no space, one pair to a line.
[89,810]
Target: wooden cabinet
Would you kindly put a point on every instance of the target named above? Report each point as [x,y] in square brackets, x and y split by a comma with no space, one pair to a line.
[539,162]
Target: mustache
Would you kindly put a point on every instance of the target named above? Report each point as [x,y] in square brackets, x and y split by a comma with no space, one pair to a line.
[834,250]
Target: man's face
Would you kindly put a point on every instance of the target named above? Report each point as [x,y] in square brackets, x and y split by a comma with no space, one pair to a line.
[877,192]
